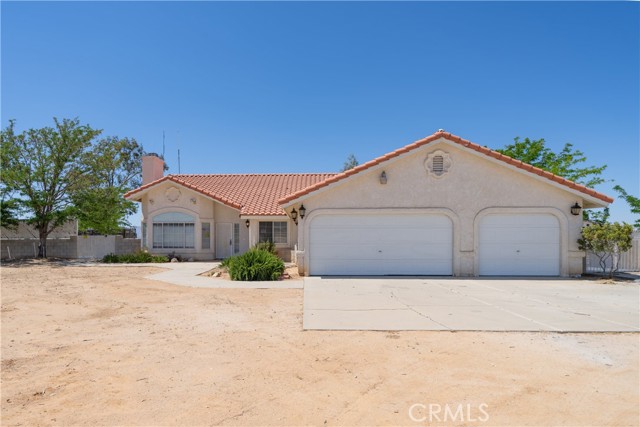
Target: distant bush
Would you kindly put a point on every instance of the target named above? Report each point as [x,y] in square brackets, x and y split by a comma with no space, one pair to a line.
[266,246]
[134,258]
[254,265]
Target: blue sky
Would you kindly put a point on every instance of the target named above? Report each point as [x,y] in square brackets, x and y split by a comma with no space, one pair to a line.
[297,87]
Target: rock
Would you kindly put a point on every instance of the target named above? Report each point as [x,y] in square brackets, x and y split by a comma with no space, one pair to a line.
[174,259]
[190,260]
[217,274]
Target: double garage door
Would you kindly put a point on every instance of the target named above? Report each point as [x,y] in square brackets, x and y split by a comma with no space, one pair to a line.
[422,244]
[381,244]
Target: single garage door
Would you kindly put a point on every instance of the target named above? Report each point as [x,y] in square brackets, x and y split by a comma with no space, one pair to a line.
[519,245]
[381,244]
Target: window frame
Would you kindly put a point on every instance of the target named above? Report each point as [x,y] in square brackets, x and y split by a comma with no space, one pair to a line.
[273,232]
[174,227]
[205,235]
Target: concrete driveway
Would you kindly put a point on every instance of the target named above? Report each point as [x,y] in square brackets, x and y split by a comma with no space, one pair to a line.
[470,305]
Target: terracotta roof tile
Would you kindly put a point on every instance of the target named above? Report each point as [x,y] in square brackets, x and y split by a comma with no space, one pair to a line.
[252,194]
[262,194]
[457,140]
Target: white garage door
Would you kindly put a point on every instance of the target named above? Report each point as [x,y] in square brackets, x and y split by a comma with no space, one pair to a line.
[381,244]
[519,245]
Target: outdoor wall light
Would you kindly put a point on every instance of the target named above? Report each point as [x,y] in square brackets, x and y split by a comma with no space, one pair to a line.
[294,215]
[575,209]
[247,222]
[303,211]
[383,178]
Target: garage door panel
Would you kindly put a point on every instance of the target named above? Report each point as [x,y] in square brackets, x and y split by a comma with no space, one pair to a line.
[373,237]
[519,244]
[377,244]
[500,236]
[520,221]
[376,252]
[375,267]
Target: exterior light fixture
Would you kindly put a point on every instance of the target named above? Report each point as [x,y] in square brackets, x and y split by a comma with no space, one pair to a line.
[294,215]
[575,209]
[383,178]
[303,211]
[247,222]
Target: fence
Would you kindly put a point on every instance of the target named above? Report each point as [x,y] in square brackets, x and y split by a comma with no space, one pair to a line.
[28,231]
[629,261]
[83,247]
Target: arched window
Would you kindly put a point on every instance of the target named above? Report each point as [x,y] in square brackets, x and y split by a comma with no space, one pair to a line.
[173,230]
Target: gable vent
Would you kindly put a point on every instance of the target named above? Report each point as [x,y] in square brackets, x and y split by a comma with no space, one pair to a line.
[438,165]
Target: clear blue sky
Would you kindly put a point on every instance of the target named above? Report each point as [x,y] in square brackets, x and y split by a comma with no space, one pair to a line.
[296,87]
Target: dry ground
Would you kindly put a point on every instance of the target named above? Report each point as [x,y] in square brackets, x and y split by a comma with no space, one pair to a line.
[102,346]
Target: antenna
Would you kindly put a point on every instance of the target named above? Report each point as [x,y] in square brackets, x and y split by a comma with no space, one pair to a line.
[178,144]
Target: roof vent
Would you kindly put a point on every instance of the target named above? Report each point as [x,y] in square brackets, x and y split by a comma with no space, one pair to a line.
[440,130]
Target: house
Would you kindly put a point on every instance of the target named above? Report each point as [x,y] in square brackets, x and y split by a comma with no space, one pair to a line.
[439,206]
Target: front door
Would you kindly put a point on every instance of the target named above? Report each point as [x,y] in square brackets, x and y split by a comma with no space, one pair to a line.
[224,240]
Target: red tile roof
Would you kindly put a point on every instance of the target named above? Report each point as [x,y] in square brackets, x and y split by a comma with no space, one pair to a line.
[457,140]
[252,194]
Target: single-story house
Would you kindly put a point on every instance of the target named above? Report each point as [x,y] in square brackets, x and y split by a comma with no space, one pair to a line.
[439,206]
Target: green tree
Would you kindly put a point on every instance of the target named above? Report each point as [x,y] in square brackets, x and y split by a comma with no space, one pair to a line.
[632,201]
[46,167]
[350,163]
[9,213]
[607,241]
[115,168]
[597,216]
[567,163]
[9,205]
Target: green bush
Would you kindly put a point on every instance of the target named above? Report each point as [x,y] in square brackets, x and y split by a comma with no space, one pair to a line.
[226,263]
[134,258]
[266,246]
[254,265]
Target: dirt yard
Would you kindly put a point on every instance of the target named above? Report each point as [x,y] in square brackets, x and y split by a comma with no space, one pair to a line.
[103,346]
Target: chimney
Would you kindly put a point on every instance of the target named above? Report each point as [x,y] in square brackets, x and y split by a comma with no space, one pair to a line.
[152,168]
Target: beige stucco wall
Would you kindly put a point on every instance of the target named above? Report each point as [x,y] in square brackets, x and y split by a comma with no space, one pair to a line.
[474,186]
[225,214]
[284,250]
[158,200]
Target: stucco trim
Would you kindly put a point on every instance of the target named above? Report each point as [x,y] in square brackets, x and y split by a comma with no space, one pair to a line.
[303,238]
[563,222]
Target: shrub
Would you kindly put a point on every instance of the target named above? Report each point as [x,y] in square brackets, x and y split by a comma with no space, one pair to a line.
[266,246]
[607,241]
[226,263]
[134,258]
[255,265]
